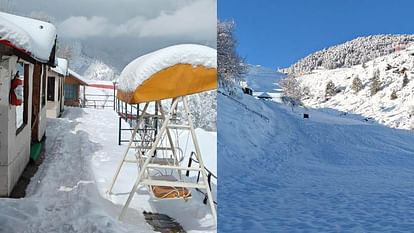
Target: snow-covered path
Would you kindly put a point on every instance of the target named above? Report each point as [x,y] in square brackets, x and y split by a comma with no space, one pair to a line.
[329,173]
[68,193]
[63,196]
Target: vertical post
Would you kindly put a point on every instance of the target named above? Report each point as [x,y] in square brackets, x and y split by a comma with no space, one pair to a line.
[126,111]
[84,96]
[119,131]
[114,94]
[200,159]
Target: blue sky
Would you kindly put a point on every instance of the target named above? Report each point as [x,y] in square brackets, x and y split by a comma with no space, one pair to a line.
[276,33]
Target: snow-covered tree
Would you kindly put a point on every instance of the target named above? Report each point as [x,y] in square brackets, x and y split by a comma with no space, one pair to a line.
[375,83]
[393,95]
[64,51]
[356,84]
[405,80]
[330,90]
[230,64]
[354,52]
[291,89]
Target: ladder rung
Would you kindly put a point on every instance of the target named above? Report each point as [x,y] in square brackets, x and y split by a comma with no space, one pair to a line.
[178,126]
[173,167]
[161,160]
[172,184]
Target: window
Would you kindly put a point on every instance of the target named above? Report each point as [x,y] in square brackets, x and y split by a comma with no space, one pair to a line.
[21,111]
[70,91]
[44,86]
[51,89]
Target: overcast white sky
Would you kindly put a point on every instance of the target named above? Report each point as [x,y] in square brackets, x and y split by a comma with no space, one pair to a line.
[120,30]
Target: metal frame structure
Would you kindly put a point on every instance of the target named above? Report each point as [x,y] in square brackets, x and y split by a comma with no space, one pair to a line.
[147,158]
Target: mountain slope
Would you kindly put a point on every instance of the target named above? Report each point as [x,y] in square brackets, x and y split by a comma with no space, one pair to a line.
[354,52]
[392,105]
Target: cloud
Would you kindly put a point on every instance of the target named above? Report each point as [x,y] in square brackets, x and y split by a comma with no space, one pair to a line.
[82,27]
[195,20]
[119,31]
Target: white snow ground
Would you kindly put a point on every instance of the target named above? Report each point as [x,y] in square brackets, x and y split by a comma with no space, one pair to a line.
[329,173]
[68,193]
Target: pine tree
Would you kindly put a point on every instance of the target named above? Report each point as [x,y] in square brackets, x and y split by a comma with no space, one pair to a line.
[375,83]
[405,80]
[330,90]
[357,84]
[393,95]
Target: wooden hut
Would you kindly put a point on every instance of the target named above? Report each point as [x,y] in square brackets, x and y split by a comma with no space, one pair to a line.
[27,50]
[72,89]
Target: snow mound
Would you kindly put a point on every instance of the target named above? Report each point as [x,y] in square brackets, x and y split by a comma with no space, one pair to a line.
[139,70]
[392,105]
[33,36]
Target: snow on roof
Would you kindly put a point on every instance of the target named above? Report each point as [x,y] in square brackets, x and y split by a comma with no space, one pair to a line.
[78,76]
[34,37]
[142,68]
[61,66]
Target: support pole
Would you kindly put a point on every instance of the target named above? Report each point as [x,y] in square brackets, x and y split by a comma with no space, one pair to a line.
[200,160]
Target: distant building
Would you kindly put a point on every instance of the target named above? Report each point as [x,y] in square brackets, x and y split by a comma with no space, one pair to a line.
[55,96]
[72,89]
[264,95]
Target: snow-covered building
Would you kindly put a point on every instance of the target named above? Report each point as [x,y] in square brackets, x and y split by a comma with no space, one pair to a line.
[55,96]
[27,50]
[72,88]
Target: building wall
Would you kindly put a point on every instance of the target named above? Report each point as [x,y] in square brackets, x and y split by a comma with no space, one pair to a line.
[72,102]
[53,107]
[14,149]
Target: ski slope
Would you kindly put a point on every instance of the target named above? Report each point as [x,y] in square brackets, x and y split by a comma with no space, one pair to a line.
[264,80]
[329,173]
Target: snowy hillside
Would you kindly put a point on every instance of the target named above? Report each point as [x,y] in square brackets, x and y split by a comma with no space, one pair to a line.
[98,70]
[392,104]
[354,52]
[328,173]
[91,67]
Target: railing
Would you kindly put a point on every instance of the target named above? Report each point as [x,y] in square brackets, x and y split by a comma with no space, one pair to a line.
[245,106]
[210,175]
[98,101]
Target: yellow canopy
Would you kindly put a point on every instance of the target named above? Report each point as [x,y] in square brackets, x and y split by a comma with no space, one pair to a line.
[175,81]
[178,79]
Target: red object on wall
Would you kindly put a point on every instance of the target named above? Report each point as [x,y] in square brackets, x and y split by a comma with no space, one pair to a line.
[16,92]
